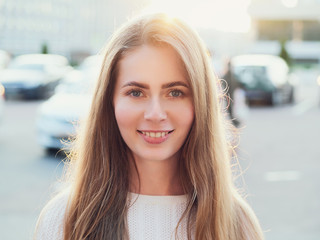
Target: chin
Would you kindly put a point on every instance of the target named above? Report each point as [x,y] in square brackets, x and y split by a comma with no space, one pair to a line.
[158,155]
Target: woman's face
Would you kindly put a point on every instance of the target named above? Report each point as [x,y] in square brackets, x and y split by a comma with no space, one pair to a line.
[153,103]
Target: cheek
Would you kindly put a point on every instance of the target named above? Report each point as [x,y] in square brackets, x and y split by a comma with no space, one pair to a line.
[189,117]
[121,116]
[184,115]
[125,115]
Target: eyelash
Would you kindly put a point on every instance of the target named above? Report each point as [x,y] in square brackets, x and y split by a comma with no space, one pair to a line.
[132,91]
[181,94]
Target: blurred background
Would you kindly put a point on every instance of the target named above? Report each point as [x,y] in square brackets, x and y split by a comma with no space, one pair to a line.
[267,51]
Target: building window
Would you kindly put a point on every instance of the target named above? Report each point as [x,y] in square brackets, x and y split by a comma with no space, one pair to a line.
[311,30]
[274,30]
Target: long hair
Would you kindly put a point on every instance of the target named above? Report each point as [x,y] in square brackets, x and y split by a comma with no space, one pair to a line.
[97,206]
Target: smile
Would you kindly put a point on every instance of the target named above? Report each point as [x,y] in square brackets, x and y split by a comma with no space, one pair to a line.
[155,134]
[155,137]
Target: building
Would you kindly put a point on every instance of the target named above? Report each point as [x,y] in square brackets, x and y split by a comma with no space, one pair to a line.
[73,28]
[294,21]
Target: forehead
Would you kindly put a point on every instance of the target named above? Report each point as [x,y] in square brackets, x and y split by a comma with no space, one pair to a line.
[151,64]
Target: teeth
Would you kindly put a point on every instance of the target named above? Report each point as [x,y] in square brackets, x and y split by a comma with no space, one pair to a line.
[155,134]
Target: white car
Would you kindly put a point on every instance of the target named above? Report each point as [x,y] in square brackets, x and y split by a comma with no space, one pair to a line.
[93,62]
[263,77]
[34,75]
[59,116]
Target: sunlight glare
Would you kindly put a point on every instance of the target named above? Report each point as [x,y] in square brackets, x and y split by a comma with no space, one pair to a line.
[290,3]
[227,16]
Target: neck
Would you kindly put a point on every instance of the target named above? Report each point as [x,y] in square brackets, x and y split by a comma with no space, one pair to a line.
[156,177]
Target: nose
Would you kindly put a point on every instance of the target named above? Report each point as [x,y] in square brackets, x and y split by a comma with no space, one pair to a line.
[155,111]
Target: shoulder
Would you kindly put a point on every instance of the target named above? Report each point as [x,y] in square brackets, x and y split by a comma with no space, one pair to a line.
[51,219]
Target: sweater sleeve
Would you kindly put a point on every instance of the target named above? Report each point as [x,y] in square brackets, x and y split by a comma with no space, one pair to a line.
[51,219]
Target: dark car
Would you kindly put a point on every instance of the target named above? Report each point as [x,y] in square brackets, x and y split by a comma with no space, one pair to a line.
[34,75]
[264,78]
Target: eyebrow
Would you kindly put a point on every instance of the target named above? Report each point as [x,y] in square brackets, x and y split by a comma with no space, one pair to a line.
[145,86]
[135,84]
[174,84]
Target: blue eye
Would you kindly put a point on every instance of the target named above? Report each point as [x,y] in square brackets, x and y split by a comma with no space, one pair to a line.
[135,93]
[175,93]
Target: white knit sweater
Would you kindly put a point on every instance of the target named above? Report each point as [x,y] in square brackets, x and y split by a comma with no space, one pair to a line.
[149,218]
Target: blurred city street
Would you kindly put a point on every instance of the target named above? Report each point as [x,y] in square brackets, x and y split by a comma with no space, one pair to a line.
[278,152]
[27,175]
[266,50]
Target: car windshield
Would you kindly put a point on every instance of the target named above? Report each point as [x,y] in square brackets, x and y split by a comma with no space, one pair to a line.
[75,87]
[251,76]
[34,67]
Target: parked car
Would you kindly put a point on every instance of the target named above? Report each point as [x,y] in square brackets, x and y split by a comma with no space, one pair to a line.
[34,75]
[89,69]
[91,63]
[58,117]
[264,78]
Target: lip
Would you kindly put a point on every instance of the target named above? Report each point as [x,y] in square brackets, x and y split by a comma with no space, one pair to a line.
[154,140]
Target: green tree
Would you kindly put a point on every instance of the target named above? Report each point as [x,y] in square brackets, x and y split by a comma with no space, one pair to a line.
[284,53]
[44,48]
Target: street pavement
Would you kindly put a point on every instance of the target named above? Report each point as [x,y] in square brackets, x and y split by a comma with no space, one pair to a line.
[280,156]
[278,152]
[27,176]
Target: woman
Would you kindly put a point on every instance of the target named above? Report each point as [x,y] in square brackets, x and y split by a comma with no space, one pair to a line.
[152,161]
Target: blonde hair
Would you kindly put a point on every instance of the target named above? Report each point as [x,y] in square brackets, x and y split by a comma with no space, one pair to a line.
[98,203]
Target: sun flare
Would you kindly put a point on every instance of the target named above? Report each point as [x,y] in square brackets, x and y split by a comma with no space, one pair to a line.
[227,16]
